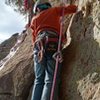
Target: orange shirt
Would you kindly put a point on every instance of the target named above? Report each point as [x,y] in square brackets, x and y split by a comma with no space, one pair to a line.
[50,19]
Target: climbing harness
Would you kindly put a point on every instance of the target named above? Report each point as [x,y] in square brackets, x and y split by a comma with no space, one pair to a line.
[57,55]
[48,41]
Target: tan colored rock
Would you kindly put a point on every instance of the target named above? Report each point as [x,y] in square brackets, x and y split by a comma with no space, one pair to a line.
[16,78]
[80,73]
[83,55]
[7,45]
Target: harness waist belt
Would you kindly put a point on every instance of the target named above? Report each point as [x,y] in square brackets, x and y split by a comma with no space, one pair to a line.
[52,40]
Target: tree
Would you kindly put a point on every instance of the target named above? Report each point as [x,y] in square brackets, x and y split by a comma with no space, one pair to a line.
[24,7]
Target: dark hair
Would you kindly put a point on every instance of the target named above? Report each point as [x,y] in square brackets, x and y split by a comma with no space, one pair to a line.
[44,6]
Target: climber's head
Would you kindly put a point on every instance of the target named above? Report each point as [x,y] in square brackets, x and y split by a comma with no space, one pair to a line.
[41,5]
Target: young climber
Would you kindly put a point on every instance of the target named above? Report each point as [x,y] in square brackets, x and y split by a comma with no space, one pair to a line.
[46,29]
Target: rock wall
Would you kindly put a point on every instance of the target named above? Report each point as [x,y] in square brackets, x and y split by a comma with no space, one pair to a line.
[81,69]
[80,73]
[7,45]
[16,78]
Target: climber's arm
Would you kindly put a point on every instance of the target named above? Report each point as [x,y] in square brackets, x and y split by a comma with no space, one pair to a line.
[66,9]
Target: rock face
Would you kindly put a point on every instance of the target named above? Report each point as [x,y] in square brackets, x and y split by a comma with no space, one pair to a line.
[16,77]
[81,70]
[7,45]
[80,74]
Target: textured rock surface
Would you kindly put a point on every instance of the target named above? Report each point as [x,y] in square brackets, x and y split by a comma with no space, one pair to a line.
[7,45]
[80,77]
[81,70]
[16,77]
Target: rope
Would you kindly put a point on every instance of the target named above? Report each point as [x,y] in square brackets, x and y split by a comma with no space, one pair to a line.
[57,59]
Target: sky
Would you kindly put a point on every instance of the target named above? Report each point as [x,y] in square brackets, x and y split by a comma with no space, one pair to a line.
[10,21]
